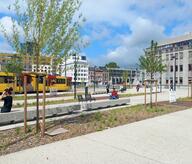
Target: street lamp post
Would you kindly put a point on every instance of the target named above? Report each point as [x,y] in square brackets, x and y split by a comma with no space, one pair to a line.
[94,78]
[75,77]
[174,72]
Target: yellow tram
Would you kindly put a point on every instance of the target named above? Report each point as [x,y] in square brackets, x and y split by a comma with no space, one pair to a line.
[59,83]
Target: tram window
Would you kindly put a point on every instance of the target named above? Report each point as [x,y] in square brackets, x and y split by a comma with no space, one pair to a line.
[1,79]
[19,82]
[40,80]
[60,81]
[29,79]
[8,79]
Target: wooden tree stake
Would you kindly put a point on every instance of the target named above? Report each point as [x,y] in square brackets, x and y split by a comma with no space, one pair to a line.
[43,113]
[156,93]
[145,94]
[25,103]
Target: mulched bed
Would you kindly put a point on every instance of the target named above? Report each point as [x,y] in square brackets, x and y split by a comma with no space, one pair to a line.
[15,140]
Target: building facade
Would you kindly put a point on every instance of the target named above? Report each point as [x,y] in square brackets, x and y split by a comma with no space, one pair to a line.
[29,62]
[121,75]
[99,75]
[102,75]
[78,63]
[176,54]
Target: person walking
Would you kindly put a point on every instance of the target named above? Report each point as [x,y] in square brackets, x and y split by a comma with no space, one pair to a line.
[107,88]
[8,100]
[137,87]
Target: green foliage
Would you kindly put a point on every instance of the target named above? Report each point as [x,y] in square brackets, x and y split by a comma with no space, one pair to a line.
[29,129]
[125,76]
[155,110]
[51,26]
[14,66]
[150,61]
[112,65]
[18,130]
[98,116]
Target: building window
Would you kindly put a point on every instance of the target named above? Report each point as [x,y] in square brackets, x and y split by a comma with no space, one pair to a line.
[181,55]
[181,68]
[180,80]
[171,68]
[190,67]
[176,68]
[167,57]
[171,56]
[190,54]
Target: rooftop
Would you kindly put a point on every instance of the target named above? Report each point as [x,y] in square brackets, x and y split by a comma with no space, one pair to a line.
[177,39]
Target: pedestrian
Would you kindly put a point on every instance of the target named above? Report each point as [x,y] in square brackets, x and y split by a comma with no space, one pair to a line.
[114,94]
[171,86]
[137,87]
[107,88]
[8,100]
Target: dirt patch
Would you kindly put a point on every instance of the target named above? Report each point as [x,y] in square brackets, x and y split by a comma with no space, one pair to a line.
[15,140]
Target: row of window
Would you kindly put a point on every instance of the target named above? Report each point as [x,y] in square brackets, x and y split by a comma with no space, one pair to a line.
[6,79]
[176,80]
[172,56]
[82,79]
[81,74]
[176,68]
[180,68]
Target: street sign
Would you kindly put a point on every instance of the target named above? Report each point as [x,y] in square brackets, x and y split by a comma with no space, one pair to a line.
[172,96]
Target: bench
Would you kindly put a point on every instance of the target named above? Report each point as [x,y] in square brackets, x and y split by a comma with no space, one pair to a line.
[17,114]
[107,103]
[99,92]
[88,97]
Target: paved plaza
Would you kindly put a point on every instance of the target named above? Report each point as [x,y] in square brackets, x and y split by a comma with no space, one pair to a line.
[162,140]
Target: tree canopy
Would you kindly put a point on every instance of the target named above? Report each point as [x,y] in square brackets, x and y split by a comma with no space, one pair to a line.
[150,62]
[112,65]
[52,26]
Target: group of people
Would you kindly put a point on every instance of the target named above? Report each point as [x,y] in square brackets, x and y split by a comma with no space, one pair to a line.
[8,100]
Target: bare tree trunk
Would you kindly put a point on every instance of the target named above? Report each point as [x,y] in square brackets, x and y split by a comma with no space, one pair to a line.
[151,99]
[37,93]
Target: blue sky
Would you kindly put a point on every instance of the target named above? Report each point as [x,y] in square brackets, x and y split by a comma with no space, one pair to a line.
[119,30]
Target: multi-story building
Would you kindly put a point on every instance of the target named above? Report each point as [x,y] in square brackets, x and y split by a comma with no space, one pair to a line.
[176,54]
[102,75]
[29,62]
[99,75]
[78,63]
[43,68]
[120,75]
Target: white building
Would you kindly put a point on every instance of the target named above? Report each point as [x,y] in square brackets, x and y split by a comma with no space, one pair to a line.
[81,67]
[43,68]
[176,54]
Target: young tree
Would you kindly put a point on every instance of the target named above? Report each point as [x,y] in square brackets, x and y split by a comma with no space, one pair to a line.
[51,25]
[112,65]
[125,77]
[151,63]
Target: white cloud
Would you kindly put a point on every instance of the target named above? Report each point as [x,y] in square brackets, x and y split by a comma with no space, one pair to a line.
[132,45]
[147,20]
[7,23]
[112,11]
[182,29]
[5,4]
[5,47]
